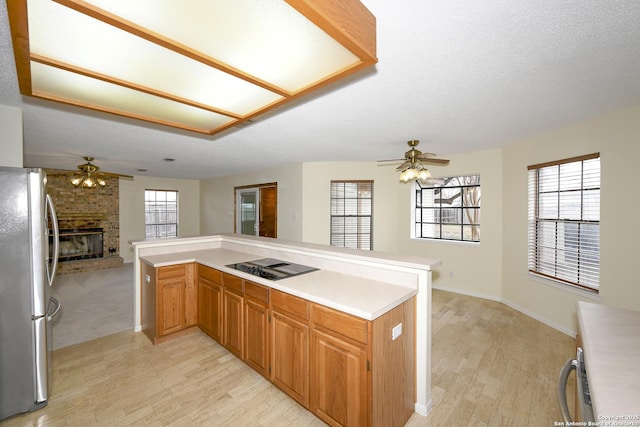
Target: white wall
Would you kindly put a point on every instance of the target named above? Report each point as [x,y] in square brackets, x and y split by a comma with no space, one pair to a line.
[217,198]
[473,269]
[316,213]
[11,147]
[617,137]
[132,208]
[469,268]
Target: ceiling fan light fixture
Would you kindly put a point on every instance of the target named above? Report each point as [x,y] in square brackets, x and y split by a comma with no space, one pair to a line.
[415,172]
[88,181]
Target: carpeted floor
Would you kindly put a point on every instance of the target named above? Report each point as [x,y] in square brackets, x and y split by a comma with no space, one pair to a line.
[94,304]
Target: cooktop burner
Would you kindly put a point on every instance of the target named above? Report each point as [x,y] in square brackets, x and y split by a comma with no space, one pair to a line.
[272,269]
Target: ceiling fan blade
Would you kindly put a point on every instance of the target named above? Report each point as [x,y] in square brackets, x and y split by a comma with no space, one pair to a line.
[426,155]
[391,160]
[59,172]
[441,162]
[114,175]
[404,165]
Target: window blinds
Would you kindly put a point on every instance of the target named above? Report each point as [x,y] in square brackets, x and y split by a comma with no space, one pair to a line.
[351,214]
[564,221]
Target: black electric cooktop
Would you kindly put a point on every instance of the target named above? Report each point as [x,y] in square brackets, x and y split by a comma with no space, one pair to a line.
[272,269]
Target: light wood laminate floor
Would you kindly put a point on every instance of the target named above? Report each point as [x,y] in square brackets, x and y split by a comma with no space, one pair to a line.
[490,366]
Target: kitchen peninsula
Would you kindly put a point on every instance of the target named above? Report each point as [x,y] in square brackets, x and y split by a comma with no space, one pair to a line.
[346,288]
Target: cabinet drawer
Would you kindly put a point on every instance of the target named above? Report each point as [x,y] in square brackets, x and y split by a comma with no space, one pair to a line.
[210,274]
[345,324]
[171,271]
[232,283]
[290,303]
[257,292]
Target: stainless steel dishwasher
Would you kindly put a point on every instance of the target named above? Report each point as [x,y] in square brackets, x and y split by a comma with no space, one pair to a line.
[584,398]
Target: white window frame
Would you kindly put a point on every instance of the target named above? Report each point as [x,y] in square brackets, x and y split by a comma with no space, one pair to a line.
[351,222]
[160,217]
[564,221]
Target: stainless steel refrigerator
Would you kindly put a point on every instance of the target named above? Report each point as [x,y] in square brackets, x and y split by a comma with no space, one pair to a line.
[26,275]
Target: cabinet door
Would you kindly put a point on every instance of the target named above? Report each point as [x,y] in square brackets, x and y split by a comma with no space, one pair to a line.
[256,336]
[170,310]
[233,329]
[210,308]
[338,381]
[290,356]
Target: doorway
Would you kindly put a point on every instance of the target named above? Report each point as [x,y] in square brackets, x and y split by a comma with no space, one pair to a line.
[256,208]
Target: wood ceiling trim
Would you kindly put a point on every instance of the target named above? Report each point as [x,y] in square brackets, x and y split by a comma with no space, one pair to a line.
[128,114]
[17,11]
[109,79]
[347,21]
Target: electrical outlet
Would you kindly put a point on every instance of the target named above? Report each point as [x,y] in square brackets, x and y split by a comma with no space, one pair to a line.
[396,331]
[147,278]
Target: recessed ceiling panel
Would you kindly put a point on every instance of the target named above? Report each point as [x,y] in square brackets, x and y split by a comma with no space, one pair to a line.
[54,83]
[60,33]
[267,39]
[201,65]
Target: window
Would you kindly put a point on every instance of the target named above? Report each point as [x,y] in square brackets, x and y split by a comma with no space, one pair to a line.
[351,214]
[448,209]
[160,214]
[564,221]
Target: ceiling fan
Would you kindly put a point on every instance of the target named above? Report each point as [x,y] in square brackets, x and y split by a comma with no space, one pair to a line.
[413,163]
[89,175]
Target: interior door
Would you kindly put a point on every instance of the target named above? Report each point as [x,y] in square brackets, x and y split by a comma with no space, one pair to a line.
[256,210]
[267,212]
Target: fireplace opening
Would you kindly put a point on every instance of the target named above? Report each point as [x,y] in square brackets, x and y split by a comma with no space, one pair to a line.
[79,243]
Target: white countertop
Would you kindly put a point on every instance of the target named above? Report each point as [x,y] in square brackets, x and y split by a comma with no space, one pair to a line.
[611,344]
[362,297]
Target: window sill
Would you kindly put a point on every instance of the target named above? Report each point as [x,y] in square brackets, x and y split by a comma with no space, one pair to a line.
[593,295]
[445,242]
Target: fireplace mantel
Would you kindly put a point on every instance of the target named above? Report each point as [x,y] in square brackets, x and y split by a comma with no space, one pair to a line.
[84,215]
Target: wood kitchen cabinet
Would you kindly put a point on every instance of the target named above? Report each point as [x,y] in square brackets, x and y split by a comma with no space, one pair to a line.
[347,370]
[290,345]
[359,374]
[210,310]
[256,327]
[340,374]
[233,304]
[169,301]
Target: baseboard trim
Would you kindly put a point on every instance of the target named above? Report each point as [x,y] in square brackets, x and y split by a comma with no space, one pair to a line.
[467,293]
[510,304]
[539,318]
[423,409]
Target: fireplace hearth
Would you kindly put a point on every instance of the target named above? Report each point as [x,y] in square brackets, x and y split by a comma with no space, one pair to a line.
[79,243]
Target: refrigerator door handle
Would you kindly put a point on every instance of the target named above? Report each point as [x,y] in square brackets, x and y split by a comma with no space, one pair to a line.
[41,360]
[55,311]
[51,272]
[569,366]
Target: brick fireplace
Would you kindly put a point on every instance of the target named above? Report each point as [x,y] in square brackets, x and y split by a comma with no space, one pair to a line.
[84,215]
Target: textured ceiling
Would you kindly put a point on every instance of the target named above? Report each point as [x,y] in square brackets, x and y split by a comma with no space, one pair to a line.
[457,75]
